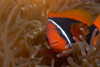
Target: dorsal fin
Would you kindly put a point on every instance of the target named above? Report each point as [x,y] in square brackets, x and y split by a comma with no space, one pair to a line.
[76,14]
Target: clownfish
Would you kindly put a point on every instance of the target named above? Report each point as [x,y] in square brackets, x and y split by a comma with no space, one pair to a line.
[63,26]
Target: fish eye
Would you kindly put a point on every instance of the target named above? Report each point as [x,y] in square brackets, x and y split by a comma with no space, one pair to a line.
[59,31]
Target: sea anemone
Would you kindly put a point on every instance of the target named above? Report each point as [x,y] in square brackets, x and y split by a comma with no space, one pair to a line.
[23,31]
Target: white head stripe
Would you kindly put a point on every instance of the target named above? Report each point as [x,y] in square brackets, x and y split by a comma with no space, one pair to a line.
[63,32]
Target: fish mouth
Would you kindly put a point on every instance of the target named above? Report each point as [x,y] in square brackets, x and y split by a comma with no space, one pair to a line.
[53,44]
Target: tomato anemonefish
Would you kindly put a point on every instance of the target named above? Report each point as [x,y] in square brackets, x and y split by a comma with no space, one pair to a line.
[62,26]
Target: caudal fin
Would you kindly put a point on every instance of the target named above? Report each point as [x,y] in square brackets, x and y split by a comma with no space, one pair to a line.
[97,22]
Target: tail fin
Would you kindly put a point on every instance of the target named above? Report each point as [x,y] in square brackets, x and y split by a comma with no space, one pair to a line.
[97,22]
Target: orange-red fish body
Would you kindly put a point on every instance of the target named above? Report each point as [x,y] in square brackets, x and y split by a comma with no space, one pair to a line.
[62,26]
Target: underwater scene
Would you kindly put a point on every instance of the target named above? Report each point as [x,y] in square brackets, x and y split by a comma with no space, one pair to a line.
[49,33]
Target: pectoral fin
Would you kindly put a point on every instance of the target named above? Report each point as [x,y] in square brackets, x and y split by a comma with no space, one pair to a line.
[75,29]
